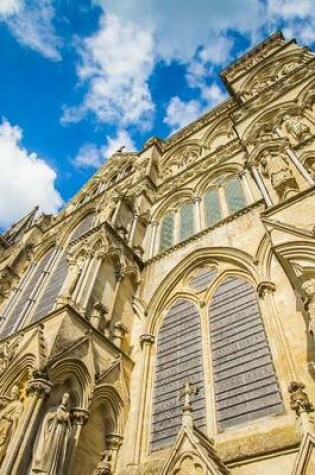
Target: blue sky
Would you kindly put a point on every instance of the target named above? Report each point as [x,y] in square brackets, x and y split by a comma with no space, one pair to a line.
[79,78]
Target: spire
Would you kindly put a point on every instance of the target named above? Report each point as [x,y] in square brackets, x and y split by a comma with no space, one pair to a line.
[22,225]
[186,393]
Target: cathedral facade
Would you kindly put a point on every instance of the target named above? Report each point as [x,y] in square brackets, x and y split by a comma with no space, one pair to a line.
[164,321]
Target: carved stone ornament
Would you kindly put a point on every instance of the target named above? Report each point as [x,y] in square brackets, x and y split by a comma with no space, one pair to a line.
[104,467]
[52,440]
[308,288]
[274,165]
[8,350]
[39,387]
[265,287]
[295,126]
[299,401]
[79,416]
[9,418]
[147,339]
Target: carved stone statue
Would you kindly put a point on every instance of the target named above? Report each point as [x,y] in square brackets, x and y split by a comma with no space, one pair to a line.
[52,441]
[275,166]
[75,271]
[9,418]
[296,127]
[308,288]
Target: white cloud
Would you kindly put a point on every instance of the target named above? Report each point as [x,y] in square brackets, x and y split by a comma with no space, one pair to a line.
[116,63]
[179,113]
[31,22]
[91,156]
[26,180]
[297,19]
[8,7]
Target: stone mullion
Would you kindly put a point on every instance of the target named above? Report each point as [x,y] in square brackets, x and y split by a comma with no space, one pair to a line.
[197,214]
[208,370]
[152,240]
[38,390]
[223,203]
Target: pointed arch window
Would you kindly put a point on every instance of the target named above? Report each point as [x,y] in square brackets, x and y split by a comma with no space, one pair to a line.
[83,227]
[48,298]
[167,232]
[234,195]
[187,221]
[212,207]
[179,357]
[32,283]
[245,381]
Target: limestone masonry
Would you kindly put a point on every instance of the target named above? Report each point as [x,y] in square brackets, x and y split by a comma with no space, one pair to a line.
[164,321]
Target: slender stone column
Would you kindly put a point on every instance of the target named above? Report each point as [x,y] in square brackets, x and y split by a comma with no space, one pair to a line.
[224,207]
[154,227]
[246,187]
[92,273]
[198,217]
[38,390]
[261,185]
[146,342]
[113,444]
[133,229]
[295,161]
[79,417]
[119,278]
[76,296]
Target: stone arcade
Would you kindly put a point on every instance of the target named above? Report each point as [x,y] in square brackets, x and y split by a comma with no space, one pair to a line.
[164,321]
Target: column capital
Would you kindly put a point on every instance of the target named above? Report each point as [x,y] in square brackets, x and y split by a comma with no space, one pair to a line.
[79,416]
[196,199]
[147,339]
[299,401]
[113,441]
[154,223]
[40,387]
[265,287]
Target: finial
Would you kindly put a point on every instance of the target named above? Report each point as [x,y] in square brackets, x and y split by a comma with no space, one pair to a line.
[186,393]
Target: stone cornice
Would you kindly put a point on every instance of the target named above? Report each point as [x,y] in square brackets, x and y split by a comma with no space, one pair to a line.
[225,107]
[233,71]
[204,232]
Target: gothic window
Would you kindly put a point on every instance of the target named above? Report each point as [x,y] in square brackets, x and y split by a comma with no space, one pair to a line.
[113,180]
[212,207]
[202,278]
[179,357]
[33,280]
[187,218]
[128,170]
[167,232]
[52,289]
[234,195]
[83,227]
[245,381]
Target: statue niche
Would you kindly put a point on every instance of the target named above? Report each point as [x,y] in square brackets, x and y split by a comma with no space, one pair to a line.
[51,444]
[9,419]
[275,167]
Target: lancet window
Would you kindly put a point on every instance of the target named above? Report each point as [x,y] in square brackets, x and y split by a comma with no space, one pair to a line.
[14,318]
[167,232]
[245,382]
[179,357]
[212,207]
[187,221]
[234,195]
[52,289]
[83,227]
